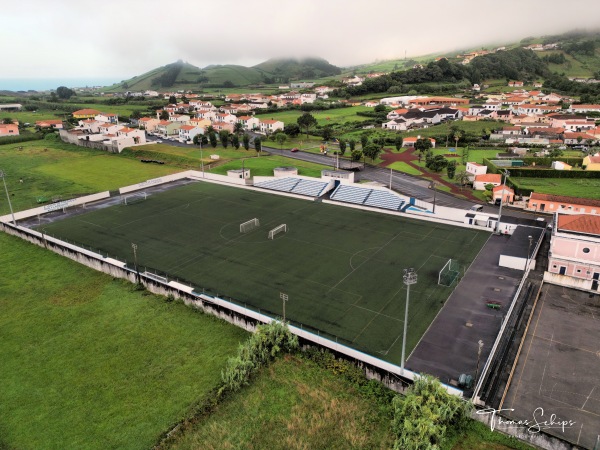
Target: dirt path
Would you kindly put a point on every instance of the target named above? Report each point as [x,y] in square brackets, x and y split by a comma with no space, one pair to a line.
[409,156]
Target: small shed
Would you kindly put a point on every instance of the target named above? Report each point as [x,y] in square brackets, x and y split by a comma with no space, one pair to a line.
[287,171]
[239,173]
[521,247]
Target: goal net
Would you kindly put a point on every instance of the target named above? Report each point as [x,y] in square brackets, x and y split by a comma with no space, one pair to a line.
[278,229]
[135,198]
[249,225]
[449,273]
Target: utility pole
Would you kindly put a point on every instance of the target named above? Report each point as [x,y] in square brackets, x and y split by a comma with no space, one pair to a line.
[479,348]
[410,277]
[506,174]
[137,271]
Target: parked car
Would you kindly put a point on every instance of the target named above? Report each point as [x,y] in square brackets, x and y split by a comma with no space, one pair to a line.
[294,150]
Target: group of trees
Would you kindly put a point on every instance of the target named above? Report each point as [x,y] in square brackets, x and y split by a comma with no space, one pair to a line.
[168,78]
[226,138]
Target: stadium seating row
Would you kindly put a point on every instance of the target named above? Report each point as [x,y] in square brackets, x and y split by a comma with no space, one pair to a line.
[295,186]
[368,197]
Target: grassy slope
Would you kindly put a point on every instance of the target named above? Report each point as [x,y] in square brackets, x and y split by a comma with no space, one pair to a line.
[327,117]
[88,362]
[293,404]
[50,168]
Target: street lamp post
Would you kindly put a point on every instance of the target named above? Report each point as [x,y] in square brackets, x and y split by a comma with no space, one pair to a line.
[410,277]
[3,175]
[134,247]
[284,298]
[432,186]
[528,252]
[202,160]
[506,174]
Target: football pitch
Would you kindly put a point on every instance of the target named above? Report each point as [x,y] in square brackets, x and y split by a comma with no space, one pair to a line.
[340,267]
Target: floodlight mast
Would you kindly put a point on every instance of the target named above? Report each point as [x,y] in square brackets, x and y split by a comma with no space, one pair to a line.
[3,176]
[506,174]
[410,277]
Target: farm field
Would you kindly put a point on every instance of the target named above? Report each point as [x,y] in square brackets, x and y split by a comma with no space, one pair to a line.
[330,116]
[339,266]
[51,168]
[573,187]
[90,362]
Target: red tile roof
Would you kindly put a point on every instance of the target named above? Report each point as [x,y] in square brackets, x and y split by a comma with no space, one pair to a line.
[564,199]
[86,112]
[489,178]
[581,223]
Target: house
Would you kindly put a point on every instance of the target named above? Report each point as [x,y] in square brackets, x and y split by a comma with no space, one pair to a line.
[168,128]
[474,168]
[584,108]
[225,117]
[448,101]
[149,123]
[578,138]
[181,118]
[371,103]
[9,129]
[515,83]
[107,128]
[511,131]
[138,136]
[187,132]
[85,114]
[395,124]
[574,256]
[489,178]
[55,124]
[559,165]
[503,194]
[411,140]
[11,107]
[90,125]
[591,163]
[200,123]
[249,123]
[220,126]
[302,85]
[107,118]
[270,126]
[562,203]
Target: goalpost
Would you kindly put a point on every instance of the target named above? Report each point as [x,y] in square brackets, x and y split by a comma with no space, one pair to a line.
[249,225]
[449,273]
[134,198]
[278,229]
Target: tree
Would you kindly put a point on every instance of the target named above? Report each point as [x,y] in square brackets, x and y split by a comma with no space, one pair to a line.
[306,121]
[53,97]
[136,114]
[356,155]
[423,144]
[424,413]
[352,144]
[451,169]
[327,133]
[246,141]
[463,178]
[7,121]
[204,140]
[292,130]
[398,142]
[238,128]
[457,134]
[212,137]
[372,151]
[280,138]
[197,139]
[235,141]
[257,144]
[364,140]
[210,129]
[64,92]
[342,146]
[164,115]
[379,108]
[436,163]
[173,100]
[224,138]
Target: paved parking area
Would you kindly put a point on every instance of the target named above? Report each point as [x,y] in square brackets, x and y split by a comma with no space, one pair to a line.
[450,345]
[559,366]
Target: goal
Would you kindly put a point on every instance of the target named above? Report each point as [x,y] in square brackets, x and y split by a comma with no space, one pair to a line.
[135,198]
[449,273]
[278,229]
[249,225]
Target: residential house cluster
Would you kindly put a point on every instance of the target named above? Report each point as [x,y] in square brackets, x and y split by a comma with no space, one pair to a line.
[419,117]
[102,130]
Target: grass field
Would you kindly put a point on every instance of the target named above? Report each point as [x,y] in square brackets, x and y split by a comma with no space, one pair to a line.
[341,267]
[573,187]
[90,362]
[328,117]
[51,168]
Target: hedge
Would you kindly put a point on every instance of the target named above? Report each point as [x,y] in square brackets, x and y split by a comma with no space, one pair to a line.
[526,172]
[21,138]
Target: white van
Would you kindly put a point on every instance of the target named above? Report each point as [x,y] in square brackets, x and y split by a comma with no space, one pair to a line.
[477,208]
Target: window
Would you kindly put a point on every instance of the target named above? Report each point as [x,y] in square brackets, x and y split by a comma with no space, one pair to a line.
[586,250]
[554,266]
[578,270]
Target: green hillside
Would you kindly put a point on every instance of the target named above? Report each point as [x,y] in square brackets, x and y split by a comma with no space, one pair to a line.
[182,75]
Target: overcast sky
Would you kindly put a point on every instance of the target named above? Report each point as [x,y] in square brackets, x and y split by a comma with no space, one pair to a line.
[122,38]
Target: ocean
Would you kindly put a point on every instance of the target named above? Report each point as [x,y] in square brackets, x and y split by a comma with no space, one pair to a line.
[45,84]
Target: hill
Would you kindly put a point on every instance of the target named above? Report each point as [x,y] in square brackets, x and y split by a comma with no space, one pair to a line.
[182,75]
